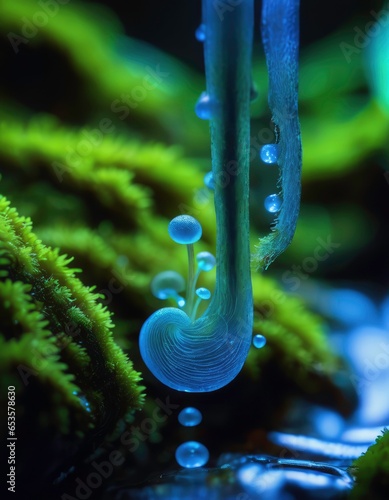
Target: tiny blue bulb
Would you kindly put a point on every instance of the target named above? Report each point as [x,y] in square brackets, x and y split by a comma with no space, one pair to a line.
[209,181]
[273,203]
[269,153]
[205,261]
[185,229]
[205,107]
[192,454]
[259,341]
[203,293]
[189,417]
[166,284]
[200,33]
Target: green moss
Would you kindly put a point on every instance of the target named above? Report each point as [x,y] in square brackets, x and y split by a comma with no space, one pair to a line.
[56,340]
[371,471]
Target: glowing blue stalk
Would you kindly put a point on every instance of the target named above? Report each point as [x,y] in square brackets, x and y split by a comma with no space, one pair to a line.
[206,354]
[280,34]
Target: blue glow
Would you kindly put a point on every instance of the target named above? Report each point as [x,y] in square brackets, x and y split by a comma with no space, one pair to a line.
[316,446]
[362,434]
[200,33]
[205,107]
[327,423]
[203,293]
[208,180]
[204,354]
[280,35]
[269,153]
[192,454]
[273,203]
[185,230]
[205,261]
[167,284]
[190,417]
[259,341]
[385,312]
[351,307]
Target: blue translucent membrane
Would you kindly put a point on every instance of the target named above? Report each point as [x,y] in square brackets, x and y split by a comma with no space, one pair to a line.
[167,285]
[208,180]
[200,33]
[185,230]
[269,153]
[205,261]
[192,454]
[189,417]
[273,203]
[259,341]
[205,107]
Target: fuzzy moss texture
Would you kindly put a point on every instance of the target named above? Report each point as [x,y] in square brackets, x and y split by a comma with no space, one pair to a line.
[66,340]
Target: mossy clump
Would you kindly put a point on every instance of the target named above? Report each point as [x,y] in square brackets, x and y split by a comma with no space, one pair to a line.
[371,471]
[73,384]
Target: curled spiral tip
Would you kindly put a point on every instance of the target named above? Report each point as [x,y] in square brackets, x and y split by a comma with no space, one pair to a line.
[199,356]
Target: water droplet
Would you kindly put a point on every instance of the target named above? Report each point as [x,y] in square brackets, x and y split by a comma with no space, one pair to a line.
[208,180]
[269,153]
[185,229]
[205,107]
[259,341]
[167,284]
[273,203]
[192,454]
[206,261]
[189,417]
[200,33]
[203,293]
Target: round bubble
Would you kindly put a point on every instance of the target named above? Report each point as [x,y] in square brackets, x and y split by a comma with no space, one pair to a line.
[259,341]
[192,454]
[206,261]
[189,417]
[185,229]
[273,203]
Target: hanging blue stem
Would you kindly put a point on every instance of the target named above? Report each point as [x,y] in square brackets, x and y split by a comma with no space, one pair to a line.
[280,35]
[206,354]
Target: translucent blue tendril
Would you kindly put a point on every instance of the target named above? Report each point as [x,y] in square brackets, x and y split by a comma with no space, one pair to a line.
[280,35]
[204,354]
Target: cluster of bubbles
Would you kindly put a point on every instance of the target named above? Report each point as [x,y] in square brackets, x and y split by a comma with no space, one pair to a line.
[185,230]
[191,454]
